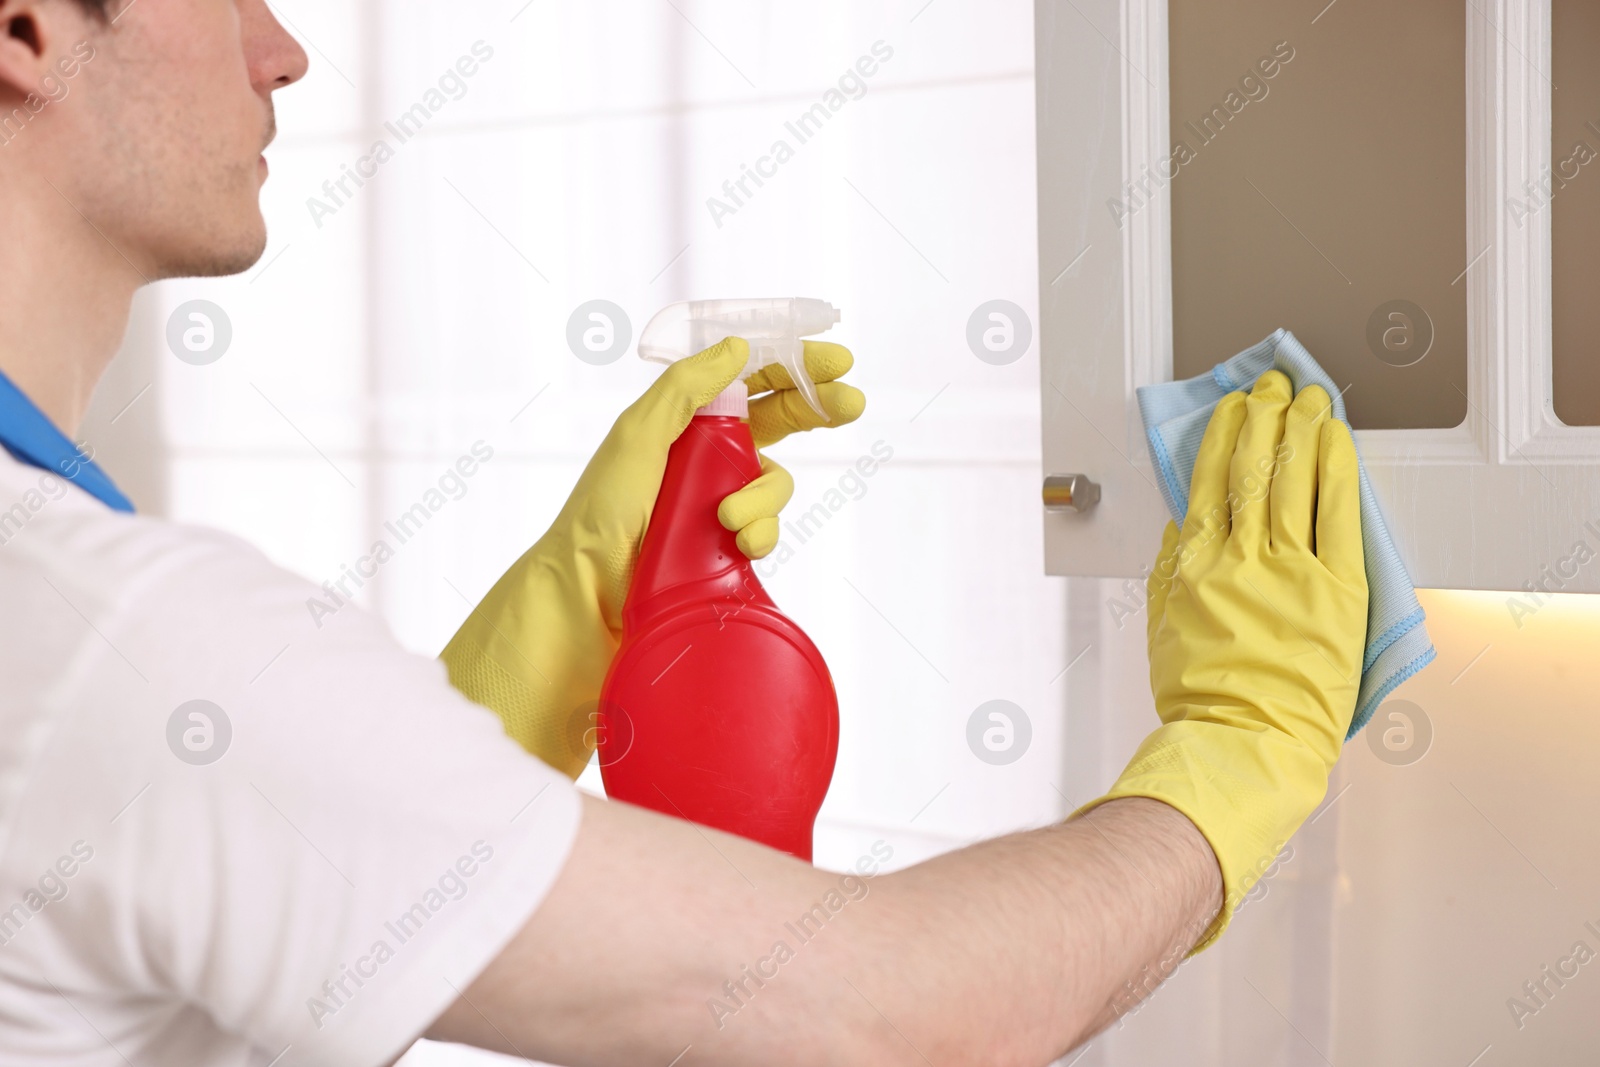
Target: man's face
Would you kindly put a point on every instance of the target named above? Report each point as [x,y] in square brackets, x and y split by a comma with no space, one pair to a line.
[161,138]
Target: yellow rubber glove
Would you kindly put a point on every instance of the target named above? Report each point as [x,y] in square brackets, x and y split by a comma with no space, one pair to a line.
[536,650]
[1257,625]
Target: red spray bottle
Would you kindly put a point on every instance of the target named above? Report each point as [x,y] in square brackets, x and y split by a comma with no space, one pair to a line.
[717,707]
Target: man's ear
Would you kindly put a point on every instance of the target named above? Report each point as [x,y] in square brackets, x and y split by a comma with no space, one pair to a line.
[28,39]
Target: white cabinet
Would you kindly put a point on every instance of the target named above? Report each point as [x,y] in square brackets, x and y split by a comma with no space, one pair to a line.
[1484,487]
[1509,496]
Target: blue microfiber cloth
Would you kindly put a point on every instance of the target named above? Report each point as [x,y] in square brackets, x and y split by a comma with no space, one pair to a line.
[1175,417]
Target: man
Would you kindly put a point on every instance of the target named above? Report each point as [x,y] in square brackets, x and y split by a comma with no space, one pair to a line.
[372,859]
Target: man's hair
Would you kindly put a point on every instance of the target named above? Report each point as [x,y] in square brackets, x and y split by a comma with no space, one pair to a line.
[101,8]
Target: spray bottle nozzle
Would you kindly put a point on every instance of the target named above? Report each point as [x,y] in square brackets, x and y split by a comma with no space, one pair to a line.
[774,328]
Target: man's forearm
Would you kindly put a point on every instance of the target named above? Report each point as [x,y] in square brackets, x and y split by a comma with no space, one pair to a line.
[1008,952]
[1048,936]
[1154,930]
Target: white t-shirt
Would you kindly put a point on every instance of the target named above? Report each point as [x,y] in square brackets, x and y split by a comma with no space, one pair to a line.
[361,844]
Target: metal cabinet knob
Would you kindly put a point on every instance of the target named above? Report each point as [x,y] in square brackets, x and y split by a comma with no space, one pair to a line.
[1070,492]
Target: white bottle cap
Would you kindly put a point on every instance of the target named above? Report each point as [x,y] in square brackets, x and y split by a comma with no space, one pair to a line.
[734,400]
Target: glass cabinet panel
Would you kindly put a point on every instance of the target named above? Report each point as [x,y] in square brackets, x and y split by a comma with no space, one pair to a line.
[1570,193]
[1318,183]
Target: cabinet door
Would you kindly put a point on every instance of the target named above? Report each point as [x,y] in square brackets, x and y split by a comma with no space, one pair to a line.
[1416,144]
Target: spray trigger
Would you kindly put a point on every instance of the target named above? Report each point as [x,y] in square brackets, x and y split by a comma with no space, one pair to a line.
[774,327]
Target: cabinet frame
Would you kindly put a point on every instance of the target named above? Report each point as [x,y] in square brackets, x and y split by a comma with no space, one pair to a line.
[1502,501]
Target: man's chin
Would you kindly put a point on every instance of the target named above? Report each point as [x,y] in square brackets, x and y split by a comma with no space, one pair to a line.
[217,255]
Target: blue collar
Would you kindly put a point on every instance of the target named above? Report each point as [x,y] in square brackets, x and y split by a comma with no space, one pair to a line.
[29,435]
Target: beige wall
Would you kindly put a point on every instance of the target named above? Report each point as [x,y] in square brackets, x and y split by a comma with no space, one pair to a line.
[1443,918]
